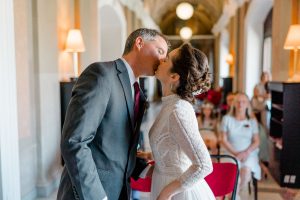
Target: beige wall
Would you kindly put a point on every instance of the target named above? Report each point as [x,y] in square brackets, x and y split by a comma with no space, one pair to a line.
[280,57]
[65,21]
[26,96]
[89,25]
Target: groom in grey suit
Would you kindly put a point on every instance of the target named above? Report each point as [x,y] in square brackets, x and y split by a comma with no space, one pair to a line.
[101,128]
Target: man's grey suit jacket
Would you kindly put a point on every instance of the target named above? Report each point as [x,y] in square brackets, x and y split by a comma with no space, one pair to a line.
[99,138]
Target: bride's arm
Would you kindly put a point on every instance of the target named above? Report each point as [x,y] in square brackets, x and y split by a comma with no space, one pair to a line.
[170,190]
[184,129]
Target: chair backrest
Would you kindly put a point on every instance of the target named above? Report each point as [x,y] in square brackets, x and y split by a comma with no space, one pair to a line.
[224,178]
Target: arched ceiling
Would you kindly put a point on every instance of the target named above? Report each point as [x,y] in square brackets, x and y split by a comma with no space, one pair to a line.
[206,14]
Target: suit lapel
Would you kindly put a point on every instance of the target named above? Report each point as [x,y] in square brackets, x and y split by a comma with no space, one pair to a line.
[125,82]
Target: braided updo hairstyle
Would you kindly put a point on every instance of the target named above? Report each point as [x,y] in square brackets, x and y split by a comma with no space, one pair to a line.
[192,66]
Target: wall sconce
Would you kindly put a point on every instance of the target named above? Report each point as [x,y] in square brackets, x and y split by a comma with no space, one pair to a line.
[186,33]
[74,45]
[292,41]
[229,59]
[184,10]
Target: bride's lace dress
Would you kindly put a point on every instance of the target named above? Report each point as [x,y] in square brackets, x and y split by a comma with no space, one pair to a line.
[179,151]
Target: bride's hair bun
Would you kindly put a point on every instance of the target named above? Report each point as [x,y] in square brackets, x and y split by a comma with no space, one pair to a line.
[192,66]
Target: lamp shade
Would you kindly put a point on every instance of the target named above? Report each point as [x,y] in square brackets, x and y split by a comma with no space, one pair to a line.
[293,37]
[229,59]
[74,41]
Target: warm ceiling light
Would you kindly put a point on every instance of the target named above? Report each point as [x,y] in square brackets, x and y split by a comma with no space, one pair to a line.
[186,33]
[184,10]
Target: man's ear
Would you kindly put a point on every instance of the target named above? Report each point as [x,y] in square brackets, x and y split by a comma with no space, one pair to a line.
[139,42]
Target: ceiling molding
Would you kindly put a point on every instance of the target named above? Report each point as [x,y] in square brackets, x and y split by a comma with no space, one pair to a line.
[137,6]
[159,8]
[229,10]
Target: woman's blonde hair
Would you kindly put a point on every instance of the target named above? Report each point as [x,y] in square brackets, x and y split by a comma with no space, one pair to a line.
[249,113]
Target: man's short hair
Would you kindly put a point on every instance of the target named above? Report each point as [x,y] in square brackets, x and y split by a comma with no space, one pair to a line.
[146,34]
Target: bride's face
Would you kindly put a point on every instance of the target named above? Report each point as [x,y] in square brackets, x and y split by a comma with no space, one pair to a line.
[163,72]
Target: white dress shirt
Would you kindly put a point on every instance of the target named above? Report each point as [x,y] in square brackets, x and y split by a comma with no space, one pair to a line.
[132,78]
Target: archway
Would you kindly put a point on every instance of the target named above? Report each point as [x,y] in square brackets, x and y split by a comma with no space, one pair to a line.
[112,30]
[254,22]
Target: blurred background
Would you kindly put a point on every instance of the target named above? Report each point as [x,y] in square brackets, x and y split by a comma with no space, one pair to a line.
[45,45]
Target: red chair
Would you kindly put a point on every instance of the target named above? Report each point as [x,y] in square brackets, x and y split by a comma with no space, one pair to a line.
[222,181]
[224,178]
[142,184]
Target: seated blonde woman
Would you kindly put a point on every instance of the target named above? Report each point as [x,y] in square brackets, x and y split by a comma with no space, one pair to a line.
[240,137]
[208,126]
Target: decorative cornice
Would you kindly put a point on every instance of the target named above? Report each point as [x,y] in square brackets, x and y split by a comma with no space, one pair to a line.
[229,10]
[137,6]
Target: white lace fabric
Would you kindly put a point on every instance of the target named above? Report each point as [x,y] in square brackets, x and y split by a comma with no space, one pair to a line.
[176,143]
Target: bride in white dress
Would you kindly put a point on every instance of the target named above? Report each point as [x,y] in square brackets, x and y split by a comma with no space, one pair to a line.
[182,160]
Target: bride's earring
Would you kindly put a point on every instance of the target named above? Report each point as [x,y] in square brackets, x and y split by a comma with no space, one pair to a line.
[171,87]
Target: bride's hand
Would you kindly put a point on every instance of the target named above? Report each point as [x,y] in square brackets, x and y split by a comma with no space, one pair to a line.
[163,196]
[170,190]
[145,155]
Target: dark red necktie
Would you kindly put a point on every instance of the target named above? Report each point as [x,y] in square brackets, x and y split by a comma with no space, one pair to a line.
[136,100]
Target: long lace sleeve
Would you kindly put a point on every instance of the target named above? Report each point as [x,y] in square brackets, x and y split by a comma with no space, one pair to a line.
[183,127]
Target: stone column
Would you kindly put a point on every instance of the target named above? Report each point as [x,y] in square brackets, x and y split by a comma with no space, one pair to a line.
[47,96]
[9,148]
[90,27]
[216,69]
[240,64]
[233,39]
